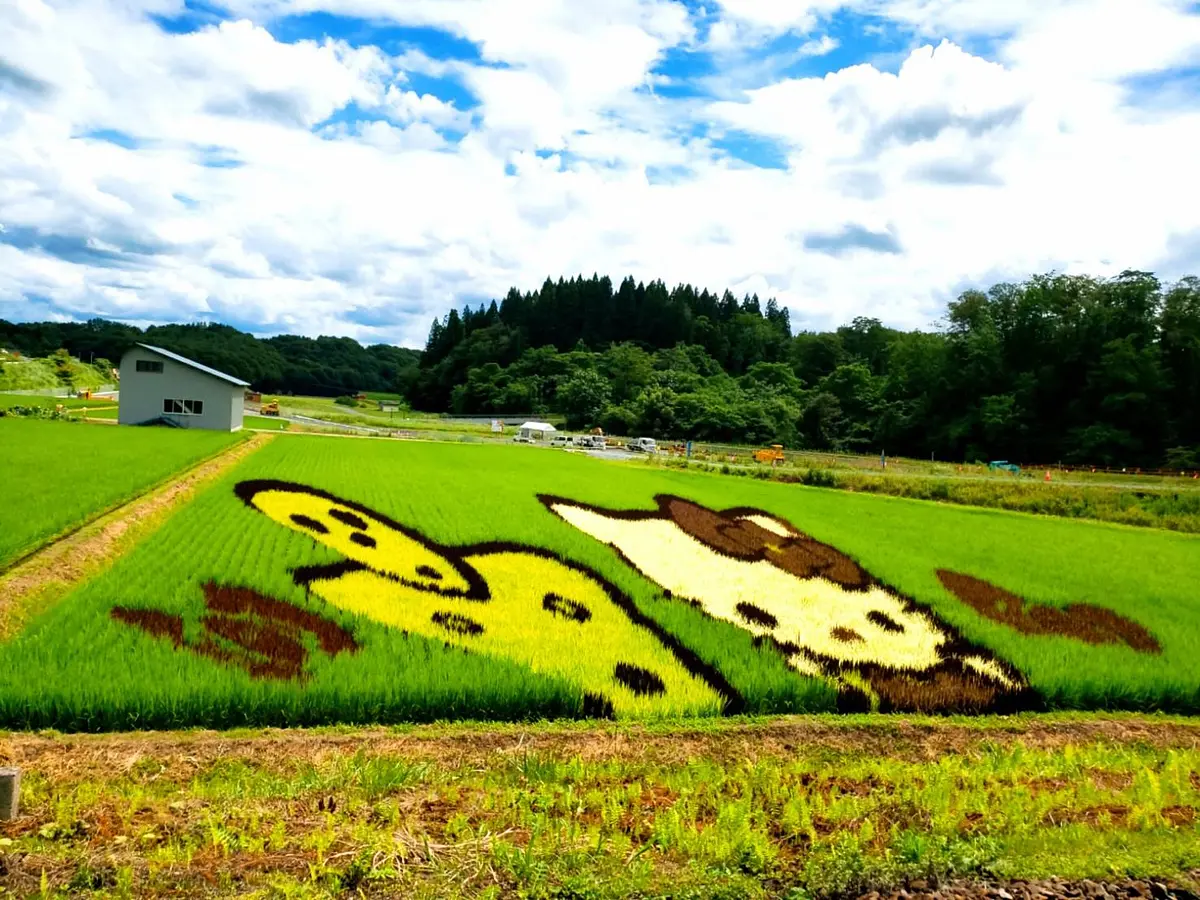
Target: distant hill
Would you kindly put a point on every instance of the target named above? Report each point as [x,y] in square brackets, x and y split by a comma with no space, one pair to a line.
[1086,371]
[324,366]
[1072,368]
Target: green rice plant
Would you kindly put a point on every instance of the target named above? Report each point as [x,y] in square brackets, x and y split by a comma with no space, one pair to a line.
[58,475]
[77,667]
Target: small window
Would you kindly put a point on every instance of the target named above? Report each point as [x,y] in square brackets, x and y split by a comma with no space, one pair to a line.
[148,365]
[183,407]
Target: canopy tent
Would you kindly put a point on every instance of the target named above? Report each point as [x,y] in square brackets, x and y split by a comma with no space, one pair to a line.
[536,430]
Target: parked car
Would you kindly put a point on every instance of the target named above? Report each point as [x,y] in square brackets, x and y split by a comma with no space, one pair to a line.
[642,445]
[590,442]
[522,439]
[562,440]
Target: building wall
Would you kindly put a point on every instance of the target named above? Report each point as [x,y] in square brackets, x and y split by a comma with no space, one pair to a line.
[142,394]
[237,409]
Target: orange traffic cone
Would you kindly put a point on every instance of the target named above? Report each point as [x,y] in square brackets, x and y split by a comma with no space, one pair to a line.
[1047,474]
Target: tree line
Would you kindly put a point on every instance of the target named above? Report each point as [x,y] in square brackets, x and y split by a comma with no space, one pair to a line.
[323,366]
[1057,368]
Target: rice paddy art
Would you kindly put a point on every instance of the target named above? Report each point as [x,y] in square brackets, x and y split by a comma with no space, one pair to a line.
[244,628]
[829,616]
[499,599]
[334,582]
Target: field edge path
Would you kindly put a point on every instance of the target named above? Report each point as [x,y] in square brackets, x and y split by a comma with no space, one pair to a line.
[54,569]
[918,738]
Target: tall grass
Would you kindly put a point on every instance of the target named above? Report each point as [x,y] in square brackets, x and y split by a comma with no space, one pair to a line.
[1175,507]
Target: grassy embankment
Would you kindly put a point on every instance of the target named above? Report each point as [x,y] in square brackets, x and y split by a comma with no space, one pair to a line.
[405,421]
[75,667]
[1152,501]
[59,475]
[797,809]
[29,374]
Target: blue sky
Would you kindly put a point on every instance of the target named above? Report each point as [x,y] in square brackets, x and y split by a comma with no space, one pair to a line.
[360,166]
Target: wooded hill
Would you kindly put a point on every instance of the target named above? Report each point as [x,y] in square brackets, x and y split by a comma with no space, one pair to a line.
[1070,368]
[324,366]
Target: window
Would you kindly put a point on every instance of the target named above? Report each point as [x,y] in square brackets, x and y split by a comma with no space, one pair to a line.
[183,407]
[146,365]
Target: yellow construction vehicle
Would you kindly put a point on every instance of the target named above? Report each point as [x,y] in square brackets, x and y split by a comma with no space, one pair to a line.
[773,455]
[270,409]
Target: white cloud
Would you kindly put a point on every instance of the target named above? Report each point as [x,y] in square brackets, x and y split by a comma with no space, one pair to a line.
[819,46]
[972,168]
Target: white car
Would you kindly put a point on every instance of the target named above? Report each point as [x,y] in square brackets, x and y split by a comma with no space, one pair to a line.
[562,440]
[642,445]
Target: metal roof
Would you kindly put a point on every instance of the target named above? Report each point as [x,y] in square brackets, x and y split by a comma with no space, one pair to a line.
[195,365]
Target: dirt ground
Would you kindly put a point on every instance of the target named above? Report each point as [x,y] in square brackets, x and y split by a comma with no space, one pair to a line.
[83,756]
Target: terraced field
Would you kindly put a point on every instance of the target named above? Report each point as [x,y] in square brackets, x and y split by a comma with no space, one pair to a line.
[331,580]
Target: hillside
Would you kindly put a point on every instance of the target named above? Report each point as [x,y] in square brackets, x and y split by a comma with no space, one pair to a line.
[20,373]
[323,366]
[1070,368]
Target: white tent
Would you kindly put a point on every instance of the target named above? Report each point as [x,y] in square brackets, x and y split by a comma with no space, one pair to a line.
[536,430]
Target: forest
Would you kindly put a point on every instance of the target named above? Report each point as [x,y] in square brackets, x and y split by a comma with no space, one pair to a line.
[1057,368]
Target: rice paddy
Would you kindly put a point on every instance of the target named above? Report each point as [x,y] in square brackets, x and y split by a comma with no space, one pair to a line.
[356,581]
[58,475]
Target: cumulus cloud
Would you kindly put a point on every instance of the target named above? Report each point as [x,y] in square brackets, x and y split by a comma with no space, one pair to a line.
[322,187]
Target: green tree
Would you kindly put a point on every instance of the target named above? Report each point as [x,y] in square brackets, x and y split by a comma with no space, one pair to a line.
[582,397]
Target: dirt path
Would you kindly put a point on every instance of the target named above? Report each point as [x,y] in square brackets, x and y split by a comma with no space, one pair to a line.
[60,566]
[183,753]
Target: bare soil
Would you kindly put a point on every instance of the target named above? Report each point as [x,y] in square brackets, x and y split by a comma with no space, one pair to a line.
[182,753]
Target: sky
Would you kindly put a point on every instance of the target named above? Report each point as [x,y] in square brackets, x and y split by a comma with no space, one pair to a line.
[358,167]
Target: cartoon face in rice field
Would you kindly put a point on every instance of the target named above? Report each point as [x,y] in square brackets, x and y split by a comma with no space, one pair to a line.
[823,611]
[503,600]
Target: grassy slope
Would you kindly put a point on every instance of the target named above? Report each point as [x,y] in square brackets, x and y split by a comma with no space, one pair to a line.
[94,673]
[38,374]
[58,475]
[747,811]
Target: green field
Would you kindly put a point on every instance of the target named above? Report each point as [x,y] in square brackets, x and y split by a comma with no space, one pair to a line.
[270,423]
[225,616]
[58,475]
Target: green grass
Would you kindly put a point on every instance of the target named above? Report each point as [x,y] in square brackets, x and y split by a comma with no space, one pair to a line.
[58,475]
[452,819]
[7,401]
[76,668]
[1147,501]
[269,422]
[103,412]
[39,374]
[369,414]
